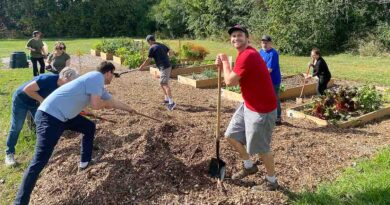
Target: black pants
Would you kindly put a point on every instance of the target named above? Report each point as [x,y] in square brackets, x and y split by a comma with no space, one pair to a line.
[322,85]
[35,67]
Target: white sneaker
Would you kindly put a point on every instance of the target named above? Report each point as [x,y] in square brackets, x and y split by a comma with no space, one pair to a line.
[83,165]
[10,160]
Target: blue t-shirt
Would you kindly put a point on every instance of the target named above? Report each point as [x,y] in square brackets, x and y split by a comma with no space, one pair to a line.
[271,58]
[159,52]
[70,99]
[47,83]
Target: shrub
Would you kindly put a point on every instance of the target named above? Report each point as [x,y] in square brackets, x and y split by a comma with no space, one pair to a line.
[97,46]
[194,52]
[133,60]
[372,48]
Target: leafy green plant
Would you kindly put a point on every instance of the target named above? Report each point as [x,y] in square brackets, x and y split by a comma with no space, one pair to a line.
[133,61]
[209,73]
[282,87]
[369,99]
[97,46]
[235,89]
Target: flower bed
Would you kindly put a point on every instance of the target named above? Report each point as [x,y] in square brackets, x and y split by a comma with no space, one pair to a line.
[207,79]
[184,70]
[344,107]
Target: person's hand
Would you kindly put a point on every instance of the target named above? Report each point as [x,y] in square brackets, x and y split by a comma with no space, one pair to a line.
[221,58]
[310,64]
[32,49]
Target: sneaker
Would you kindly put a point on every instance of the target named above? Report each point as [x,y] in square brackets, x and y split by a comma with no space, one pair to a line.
[267,186]
[278,122]
[165,102]
[83,165]
[10,160]
[171,106]
[245,172]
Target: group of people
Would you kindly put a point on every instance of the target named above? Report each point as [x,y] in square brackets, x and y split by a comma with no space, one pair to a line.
[57,101]
[56,61]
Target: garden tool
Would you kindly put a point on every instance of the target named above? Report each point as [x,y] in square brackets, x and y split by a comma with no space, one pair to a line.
[152,118]
[96,117]
[117,75]
[217,167]
[299,100]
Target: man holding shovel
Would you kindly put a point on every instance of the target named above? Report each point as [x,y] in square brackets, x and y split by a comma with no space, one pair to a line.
[61,111]
[159,52]
[250,130]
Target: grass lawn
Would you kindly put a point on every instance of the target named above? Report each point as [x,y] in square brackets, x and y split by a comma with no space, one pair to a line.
[9,80]
[374,70]
[366,183]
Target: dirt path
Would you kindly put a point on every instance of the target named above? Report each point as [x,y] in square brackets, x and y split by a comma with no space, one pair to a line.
[139,161]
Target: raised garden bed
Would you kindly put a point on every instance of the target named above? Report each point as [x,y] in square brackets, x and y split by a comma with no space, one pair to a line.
[118,60]
[206,79]
[292,88]
[106,56]
[344,107]
[95,52]
[183,70]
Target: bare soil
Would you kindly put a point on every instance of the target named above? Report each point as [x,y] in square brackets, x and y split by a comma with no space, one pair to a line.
[296,81]
[139,161]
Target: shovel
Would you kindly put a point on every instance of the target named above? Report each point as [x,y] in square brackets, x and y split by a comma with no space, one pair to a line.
[217,167]
[299,100]
[96,117]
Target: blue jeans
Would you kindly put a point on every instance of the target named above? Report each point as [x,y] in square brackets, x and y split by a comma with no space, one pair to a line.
[279,108]
[49,131]
[18,115]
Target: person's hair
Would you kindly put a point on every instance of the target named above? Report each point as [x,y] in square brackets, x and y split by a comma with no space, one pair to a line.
[35,33]
[316,51]
[69,73]
[59,44]
[105,67]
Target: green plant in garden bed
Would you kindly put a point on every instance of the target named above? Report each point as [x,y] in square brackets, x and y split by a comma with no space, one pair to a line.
[342,103]
[235,89]
[206,74]
[98,46]
[194,52]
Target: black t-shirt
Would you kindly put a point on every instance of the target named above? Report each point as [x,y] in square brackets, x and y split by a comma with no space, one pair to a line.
[321,69]
[159,52]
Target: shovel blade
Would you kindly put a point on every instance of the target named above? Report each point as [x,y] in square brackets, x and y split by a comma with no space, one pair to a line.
[299,100]
[217,168]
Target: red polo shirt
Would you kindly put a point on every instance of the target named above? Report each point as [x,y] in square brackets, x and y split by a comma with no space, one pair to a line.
[255,82]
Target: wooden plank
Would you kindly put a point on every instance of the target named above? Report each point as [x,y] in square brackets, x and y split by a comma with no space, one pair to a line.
[295,112]
[310,89]
[118,60]
[199,83]
[95,52]
[183,71]
[106,56]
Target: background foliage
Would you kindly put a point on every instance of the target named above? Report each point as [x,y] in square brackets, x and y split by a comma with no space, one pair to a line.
[295,25]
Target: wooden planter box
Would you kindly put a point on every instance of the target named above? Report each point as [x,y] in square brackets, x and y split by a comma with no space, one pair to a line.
[295,112]
[310,89]
[201,83]
[106,56]
[95,52]
[118,60]
[183,71]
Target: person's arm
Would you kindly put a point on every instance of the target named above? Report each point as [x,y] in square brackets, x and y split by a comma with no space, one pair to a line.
[144,64]
[230,78]
[97,103]
[32,91]
[67,63]
[28,46]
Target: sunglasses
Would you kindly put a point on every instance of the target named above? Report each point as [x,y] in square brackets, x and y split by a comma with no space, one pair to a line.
[60,48]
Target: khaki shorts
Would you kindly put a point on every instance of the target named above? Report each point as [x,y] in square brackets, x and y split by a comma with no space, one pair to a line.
[165,73]
[252,129]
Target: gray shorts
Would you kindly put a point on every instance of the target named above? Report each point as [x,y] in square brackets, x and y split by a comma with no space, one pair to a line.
[252,129]
[165,73]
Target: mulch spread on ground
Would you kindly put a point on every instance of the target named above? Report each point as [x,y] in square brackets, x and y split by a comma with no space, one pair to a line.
[140,161]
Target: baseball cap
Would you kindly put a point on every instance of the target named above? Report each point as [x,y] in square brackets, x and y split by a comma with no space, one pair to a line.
[36,32]
[238,28]
[266,38]
[150,38]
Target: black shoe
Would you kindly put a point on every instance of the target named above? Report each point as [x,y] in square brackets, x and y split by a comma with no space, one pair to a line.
[278,122]
[165,102]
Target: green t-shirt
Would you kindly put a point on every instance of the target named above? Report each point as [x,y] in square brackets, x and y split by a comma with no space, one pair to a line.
[58,62]
[37,45]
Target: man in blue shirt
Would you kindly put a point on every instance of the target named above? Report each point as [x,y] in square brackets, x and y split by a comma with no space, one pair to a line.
[27,98]
[271,58]
[61,111]
[159,52]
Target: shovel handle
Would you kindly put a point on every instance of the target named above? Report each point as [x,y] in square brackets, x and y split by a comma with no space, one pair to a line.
[152,118]
[304,81]
[218,110]
[96,117]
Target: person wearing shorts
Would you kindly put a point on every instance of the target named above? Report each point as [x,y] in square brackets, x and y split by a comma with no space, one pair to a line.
[159,52]
[250,129]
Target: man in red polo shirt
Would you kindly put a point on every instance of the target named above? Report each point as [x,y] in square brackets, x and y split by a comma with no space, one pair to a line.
[250,129]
